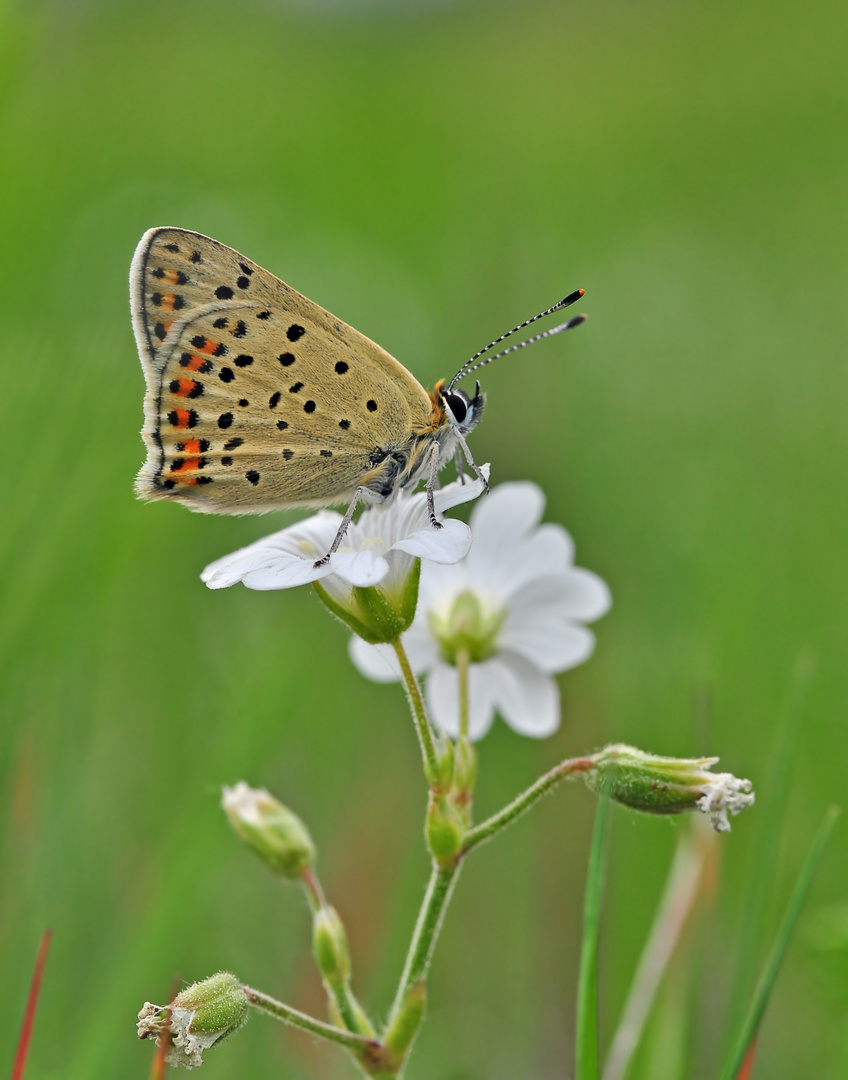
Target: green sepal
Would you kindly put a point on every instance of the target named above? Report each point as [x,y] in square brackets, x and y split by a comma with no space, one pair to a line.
[345,615]
[380,614]
[218,1003]
[445,831]
[409,597]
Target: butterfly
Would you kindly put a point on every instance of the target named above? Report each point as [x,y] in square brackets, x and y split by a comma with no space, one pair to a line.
[258,399]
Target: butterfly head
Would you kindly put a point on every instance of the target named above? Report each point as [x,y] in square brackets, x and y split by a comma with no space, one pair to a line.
[461,411]
[464,411]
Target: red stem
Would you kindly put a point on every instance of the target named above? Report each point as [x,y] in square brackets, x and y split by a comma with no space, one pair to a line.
[31,1005]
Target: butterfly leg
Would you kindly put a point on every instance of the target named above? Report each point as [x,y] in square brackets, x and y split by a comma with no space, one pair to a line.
[334,547]
[432,485]
[457,460]
[475,468]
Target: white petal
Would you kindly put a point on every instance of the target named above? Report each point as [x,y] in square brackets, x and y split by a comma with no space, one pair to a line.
[549,643]
[446,545]
[526,698]
[281,572]
[375,662]
[304,541]
[507,513]
[362,568]
[583,595]
[442,693]
[457,493]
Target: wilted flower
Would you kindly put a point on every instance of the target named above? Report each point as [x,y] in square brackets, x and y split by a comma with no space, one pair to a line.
[514,608]
[664,785]
[200,1016]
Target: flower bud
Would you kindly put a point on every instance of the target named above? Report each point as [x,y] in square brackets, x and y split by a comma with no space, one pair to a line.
[277,835]
[329,946]
[201,1016]
[445,831]
[663,785]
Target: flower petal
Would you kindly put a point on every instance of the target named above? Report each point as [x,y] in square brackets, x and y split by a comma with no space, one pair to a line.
[446,545]
[526,698]
[456,493]
[363,568]
[442,693]
[375,662]
[548,643]
[304,542]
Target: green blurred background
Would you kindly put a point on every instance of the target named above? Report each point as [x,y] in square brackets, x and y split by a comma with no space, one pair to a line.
[433,173]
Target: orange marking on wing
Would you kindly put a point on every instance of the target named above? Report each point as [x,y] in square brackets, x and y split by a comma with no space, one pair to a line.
[167,301]
[189,464]
[185,387]
[195,363]
[166,326]
[209,346]
[183,418]
[191,446]
[172,276]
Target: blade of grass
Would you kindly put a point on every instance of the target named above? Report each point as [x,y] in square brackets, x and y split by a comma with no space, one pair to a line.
[31,1006]
[741,1058]
[586,1048]
[675,907]
[769,832]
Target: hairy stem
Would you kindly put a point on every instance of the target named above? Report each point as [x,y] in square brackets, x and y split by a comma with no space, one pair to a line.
[419,712]
[520,805]
[357,1043]
[426,933]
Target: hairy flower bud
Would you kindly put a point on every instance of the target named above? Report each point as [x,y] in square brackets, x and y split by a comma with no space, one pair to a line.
[277,835]
[445,831]
[329,945]
[664,785]
[201,1016]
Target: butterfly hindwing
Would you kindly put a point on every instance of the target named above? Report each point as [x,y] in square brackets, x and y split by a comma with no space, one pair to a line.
[256,397]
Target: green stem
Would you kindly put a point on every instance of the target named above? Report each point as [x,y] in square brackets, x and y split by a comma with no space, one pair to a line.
[520,805]
[586,1034]
[370,1048]
[462,662]
[419,713]
[426,933]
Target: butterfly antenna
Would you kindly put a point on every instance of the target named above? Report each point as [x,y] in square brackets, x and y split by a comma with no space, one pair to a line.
[470,366]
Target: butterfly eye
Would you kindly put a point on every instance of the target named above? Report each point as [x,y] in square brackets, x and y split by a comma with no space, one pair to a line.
[458,406]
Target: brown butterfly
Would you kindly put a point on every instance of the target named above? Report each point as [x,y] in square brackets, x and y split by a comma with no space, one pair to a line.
[257,398]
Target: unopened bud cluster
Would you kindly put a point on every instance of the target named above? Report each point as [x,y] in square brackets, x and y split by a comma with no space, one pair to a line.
[451,790]
[664,785]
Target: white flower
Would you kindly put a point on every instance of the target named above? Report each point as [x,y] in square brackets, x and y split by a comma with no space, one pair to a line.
[379,548]
[516,604]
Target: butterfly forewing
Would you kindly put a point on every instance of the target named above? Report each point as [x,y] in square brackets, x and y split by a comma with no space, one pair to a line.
[256,397]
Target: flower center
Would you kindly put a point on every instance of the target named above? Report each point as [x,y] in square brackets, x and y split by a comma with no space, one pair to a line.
[466,627]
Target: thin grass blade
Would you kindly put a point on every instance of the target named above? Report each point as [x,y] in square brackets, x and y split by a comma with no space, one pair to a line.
[740,1060]
[586,1049]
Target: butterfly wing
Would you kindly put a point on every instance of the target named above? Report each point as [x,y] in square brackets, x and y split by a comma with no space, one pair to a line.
[256,398]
